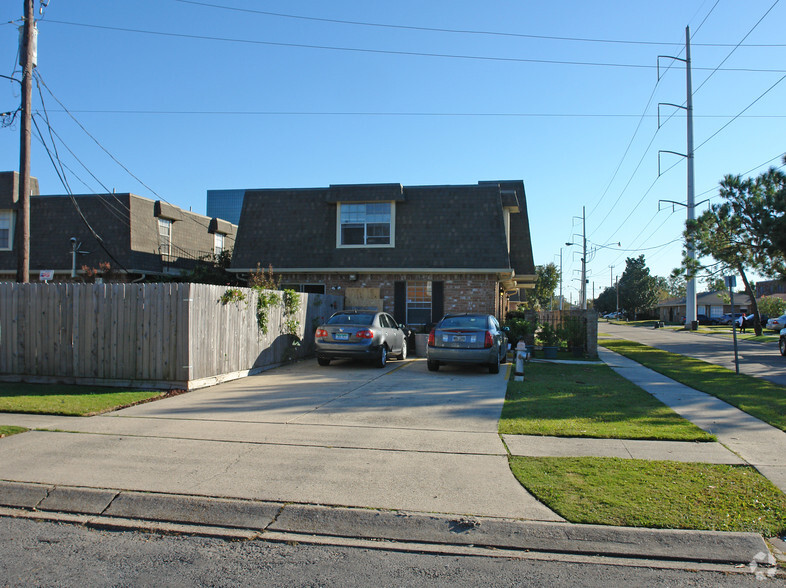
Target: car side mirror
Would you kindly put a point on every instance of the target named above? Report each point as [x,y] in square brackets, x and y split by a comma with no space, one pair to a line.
[506,329]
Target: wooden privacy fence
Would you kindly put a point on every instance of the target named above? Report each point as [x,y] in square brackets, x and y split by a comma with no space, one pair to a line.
[152,335]
[588,319]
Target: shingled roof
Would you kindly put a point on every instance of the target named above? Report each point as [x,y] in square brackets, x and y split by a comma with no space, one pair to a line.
[126,224]
[436,228]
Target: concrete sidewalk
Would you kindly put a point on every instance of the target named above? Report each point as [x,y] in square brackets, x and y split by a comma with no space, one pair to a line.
[759,444]
[742,439]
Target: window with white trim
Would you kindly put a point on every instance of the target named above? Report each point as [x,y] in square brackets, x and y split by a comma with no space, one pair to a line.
[418,302]
[363,224]
[165,236]
[218,243]
[6,230]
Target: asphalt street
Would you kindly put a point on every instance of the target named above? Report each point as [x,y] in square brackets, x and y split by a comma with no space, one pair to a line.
[762,360]
[48,554]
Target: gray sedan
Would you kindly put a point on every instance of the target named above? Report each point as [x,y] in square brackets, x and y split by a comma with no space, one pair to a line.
[358,334]
[467,338]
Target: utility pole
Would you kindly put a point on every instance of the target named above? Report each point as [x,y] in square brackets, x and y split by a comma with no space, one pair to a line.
[560,278]
[26,54]
[583,259]
[690,301]
[690,298]
[583,291]
[617,286]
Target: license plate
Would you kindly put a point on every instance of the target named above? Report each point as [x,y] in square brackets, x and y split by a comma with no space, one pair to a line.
[341,336]
[459,338]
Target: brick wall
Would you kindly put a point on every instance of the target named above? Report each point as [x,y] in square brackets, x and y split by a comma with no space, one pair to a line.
[463,292]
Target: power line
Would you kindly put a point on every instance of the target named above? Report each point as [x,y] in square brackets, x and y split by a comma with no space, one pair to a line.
[706,16]
[712,73]
[105,150]
[79,211]
[745,173]
[448,30]
[96,141]
[391,113]
[767,91]
[390,52]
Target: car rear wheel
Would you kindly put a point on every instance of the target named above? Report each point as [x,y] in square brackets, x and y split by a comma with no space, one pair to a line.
[782,345]
[323,361]
[403,355]
[494,367]
[432,366]
[382,360]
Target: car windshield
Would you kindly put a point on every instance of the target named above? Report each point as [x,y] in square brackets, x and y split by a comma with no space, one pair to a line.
[351,319]
[464,322]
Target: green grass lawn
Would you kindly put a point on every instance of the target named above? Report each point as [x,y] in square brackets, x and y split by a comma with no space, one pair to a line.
[60,399]
[757,397]
[566,400]
[657,494]
[562,355]
[6,431]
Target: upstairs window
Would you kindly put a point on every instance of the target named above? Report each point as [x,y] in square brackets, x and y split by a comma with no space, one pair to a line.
[365,224]
[6,230]
[165,236]
[218,243]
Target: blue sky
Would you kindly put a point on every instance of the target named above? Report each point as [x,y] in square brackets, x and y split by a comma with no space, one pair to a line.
[190,96]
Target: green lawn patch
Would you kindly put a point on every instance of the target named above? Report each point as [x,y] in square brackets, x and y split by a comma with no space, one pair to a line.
[567,400]
[60,399]
[562,355]
[6,431]
[656,494]
[760,398]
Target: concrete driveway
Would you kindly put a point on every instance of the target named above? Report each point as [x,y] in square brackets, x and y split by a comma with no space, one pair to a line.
[762,360]
[349,434]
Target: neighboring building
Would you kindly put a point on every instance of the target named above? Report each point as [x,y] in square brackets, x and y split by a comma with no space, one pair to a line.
[417,251]
[139,238]
[770,287]
[708,303]
[225,204]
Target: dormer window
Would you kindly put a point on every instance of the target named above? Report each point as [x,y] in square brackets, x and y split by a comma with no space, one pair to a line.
[365,224]
[6,230]
[165,236]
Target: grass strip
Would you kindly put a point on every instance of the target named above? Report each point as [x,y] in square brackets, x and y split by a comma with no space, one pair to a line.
[64,400]
[567,400]
[655,494]
[5,431]
[760,398]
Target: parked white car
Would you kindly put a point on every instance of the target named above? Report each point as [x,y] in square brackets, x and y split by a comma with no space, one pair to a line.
[776,324]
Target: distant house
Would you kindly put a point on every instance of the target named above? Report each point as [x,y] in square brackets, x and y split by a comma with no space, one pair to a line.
[771,288]
[707,303]
[139,238]
[416,251]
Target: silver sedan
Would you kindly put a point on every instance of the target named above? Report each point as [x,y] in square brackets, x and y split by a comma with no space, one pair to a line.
[358,334]
[467,338]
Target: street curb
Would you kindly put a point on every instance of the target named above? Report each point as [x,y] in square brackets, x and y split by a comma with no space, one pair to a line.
[405,527]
